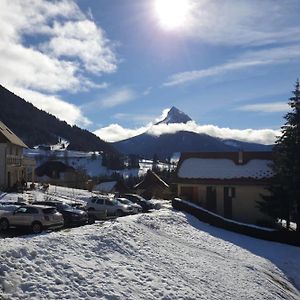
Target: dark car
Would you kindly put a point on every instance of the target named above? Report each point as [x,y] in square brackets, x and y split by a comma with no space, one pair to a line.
[146,206]
[72,216]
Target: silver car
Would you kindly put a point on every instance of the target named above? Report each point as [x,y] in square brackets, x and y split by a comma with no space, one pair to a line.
[35,217]
[112,206]
[136,207]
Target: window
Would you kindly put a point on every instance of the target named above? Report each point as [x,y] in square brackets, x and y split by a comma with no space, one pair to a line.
[100,201]
[49,211]
[32,210]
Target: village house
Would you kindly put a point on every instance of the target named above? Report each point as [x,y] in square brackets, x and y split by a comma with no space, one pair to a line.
[111,186]
[152,186]
[12,168]
[226,183]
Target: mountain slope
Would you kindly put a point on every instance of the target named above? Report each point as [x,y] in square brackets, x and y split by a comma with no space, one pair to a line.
[35,126]
[165,145]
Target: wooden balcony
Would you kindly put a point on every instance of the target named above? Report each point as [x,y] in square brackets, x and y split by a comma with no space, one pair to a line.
[14,160]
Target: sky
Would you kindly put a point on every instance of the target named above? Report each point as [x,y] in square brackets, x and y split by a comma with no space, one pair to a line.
[115,66]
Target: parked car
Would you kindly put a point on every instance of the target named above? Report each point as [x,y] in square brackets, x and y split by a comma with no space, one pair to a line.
[35,217]
[112,206]
[72,216]
[146,206]
[136,207]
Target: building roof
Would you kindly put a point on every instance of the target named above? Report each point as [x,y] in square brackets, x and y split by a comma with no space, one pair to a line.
[225,166]
[105,186]
[6,135]
[151,179]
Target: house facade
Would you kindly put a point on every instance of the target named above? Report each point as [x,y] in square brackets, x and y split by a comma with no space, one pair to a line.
[12,169]
[226,183]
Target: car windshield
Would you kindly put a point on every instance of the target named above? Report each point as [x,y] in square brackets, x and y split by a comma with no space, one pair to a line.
[64,206]
[123,201]
[49,211]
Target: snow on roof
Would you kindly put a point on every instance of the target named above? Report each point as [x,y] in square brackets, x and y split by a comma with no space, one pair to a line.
[9,136]
[207,168]
[105,186]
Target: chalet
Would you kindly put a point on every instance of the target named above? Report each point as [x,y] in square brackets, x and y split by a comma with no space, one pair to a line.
[226,183]
[153,186]
[12,169]
[59,173]
[111,186]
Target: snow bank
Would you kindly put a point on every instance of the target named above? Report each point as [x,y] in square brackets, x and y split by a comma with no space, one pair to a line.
[162,255]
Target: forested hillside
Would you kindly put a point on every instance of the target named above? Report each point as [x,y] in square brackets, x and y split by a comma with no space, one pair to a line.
[35,126]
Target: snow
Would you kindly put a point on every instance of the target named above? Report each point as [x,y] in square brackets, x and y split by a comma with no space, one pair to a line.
[105,186]
[161,255]
[224,169]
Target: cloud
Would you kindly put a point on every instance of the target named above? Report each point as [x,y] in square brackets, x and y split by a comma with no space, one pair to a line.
[116,98]
[54,105]
[134,117]
[265,107]
[147,91]
[243,22]
[47,47]
[115,132]
[249,59]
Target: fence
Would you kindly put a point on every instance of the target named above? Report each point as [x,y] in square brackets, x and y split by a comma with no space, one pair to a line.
[281,236]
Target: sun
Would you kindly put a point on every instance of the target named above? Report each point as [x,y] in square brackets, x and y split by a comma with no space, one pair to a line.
[172,14]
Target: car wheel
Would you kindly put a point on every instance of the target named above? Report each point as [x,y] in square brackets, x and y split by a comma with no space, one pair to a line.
[119,213]
[36,227]
[91,219]
[4,225]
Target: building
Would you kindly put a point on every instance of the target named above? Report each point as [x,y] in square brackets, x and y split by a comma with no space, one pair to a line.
[58,173]
[226,183]
[12,169]
[152,186]
[111,186]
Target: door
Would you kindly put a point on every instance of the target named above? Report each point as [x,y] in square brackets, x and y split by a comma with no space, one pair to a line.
[229,194]
[211,198]
[8,179]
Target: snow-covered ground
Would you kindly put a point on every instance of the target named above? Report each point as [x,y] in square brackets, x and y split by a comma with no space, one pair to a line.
[161,255]
[91,162]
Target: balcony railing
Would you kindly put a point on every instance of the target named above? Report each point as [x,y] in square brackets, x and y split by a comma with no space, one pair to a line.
[14,160]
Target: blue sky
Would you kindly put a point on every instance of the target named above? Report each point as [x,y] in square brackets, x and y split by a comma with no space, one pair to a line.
[114,66]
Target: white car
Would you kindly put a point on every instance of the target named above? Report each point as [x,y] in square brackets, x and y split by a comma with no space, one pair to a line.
[136,207]
[112,206]
[35,217]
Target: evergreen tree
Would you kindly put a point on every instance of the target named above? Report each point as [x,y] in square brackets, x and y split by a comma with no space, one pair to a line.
[284,201]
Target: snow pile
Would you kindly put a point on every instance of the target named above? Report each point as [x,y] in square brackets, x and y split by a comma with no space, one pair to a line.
[162,255]
[224,169]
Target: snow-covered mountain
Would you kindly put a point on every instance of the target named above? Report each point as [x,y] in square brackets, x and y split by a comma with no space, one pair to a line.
[164,145]
[175,116]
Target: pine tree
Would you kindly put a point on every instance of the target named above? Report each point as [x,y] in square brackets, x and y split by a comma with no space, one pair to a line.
[284,201]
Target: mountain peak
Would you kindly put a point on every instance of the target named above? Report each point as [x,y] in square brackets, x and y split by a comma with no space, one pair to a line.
[175,116]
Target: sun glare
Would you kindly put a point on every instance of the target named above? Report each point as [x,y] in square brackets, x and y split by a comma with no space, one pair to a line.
[172,13]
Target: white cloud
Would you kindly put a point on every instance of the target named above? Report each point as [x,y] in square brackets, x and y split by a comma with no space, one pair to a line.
[67,47]
[265,107]
[115,132]
[249,59]
[119,97]
[53,104]
[243,22]
[84,40]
